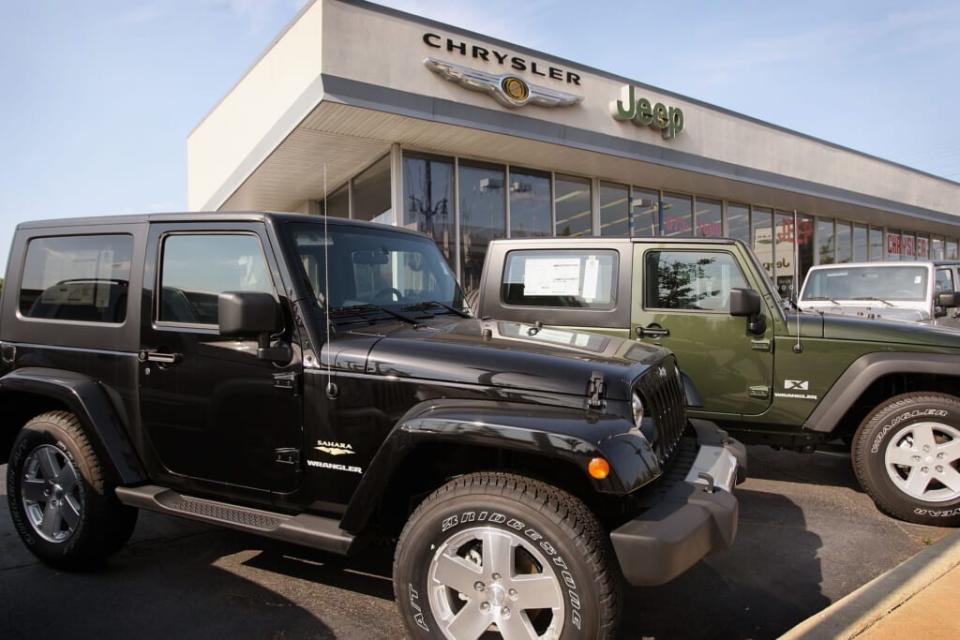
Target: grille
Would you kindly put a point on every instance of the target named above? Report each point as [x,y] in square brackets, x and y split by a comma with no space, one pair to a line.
[665,402]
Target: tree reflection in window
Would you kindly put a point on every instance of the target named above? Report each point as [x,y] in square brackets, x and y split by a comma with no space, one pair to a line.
[688,280]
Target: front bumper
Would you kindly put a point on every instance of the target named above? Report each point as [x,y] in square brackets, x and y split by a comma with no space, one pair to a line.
[693,513]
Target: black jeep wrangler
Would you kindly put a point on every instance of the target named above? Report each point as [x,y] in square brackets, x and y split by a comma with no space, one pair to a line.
[321,382]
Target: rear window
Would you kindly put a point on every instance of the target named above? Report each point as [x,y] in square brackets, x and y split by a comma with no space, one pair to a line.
[77,278]
[578,278]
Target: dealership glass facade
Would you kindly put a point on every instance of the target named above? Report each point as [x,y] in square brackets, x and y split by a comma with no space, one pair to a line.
[463,204]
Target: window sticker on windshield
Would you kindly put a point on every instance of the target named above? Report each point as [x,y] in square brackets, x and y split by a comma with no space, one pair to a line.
[582,339]
[917,279]
[553,335]
[591,278]
[551,277]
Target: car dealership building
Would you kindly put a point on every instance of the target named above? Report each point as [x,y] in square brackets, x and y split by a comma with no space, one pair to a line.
[467,138]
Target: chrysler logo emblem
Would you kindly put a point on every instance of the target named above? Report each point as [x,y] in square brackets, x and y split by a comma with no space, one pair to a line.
[508,89]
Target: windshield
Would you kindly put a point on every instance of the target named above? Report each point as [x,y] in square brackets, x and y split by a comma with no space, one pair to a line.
[866,283]
[369,266]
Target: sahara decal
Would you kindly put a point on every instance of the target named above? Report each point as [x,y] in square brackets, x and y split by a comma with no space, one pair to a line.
[335,448]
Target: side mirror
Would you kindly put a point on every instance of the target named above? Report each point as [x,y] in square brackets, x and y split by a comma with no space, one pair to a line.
[948,299]
[744,303]
[248,314]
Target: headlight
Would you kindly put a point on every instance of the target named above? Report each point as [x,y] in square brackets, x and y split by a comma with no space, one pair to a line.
[637,405]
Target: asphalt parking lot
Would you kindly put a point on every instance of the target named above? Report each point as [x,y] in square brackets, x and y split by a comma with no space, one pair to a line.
[807,537]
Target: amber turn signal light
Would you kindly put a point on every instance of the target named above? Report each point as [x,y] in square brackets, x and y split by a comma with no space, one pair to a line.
[598,468]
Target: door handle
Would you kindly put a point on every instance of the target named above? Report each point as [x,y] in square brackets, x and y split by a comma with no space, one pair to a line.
[158,357]
[653,331]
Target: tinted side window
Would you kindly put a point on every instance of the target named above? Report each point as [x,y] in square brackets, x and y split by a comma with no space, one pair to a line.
[690,280]
[560,278]
[944,280]
[196,269]
[80,278]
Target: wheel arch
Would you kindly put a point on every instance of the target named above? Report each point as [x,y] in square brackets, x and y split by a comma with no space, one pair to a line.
[439,440]
[875,377]
[31,391]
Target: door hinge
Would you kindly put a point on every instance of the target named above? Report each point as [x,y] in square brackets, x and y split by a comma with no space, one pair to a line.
[596,387]
[287,380]
[762,392]
[287,456]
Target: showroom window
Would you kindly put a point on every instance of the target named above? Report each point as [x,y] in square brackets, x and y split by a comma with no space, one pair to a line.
[530,205]
[738,222]
[428,204]
[371,193]
[860,243]
[708,218]
[646,211]
[614,210]
[826,241]
[936,248]
[951,249]
[844,239]
[805,247]
[923,245]
[784,246]
[893,244]
[761,235]
[907,247]
[338,202]
[483,217]
[574,209]
[876,244]
[677,214]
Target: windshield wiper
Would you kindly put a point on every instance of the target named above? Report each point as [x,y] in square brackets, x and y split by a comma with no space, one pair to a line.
[360,310]
[873,299]
[433,303]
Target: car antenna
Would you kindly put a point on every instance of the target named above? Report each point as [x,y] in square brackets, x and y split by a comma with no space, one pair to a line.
[797,348]
[332,390]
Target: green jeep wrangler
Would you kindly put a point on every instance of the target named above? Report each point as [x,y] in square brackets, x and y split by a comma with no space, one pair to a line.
[764,371]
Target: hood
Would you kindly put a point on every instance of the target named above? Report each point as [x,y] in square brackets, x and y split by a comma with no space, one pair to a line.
[841,327]
[871,312]
[497,353]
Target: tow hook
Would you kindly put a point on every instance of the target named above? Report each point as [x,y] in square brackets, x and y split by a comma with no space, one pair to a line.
[706,477]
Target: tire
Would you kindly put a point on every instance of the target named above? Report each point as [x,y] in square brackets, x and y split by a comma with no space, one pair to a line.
[906,455]
[452,539]
[61,501]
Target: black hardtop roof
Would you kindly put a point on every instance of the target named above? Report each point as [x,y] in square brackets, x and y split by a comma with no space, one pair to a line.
[201,216]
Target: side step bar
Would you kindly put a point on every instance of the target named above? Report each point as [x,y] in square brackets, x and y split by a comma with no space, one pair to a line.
[305,529]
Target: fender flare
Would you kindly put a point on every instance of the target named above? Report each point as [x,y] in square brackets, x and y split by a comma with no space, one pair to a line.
[558,433]
[864,372]
[88,401]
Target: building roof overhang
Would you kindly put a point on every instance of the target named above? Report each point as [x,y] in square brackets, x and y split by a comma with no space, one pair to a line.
[323,103]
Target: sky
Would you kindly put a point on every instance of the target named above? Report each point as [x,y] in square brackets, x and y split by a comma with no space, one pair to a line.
[97,97]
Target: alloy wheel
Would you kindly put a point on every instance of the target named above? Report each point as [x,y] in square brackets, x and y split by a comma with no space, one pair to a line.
[922,460]
[51,493]
[488,579]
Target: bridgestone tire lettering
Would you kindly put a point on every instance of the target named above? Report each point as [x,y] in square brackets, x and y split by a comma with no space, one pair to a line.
[870,445]
[556,523]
